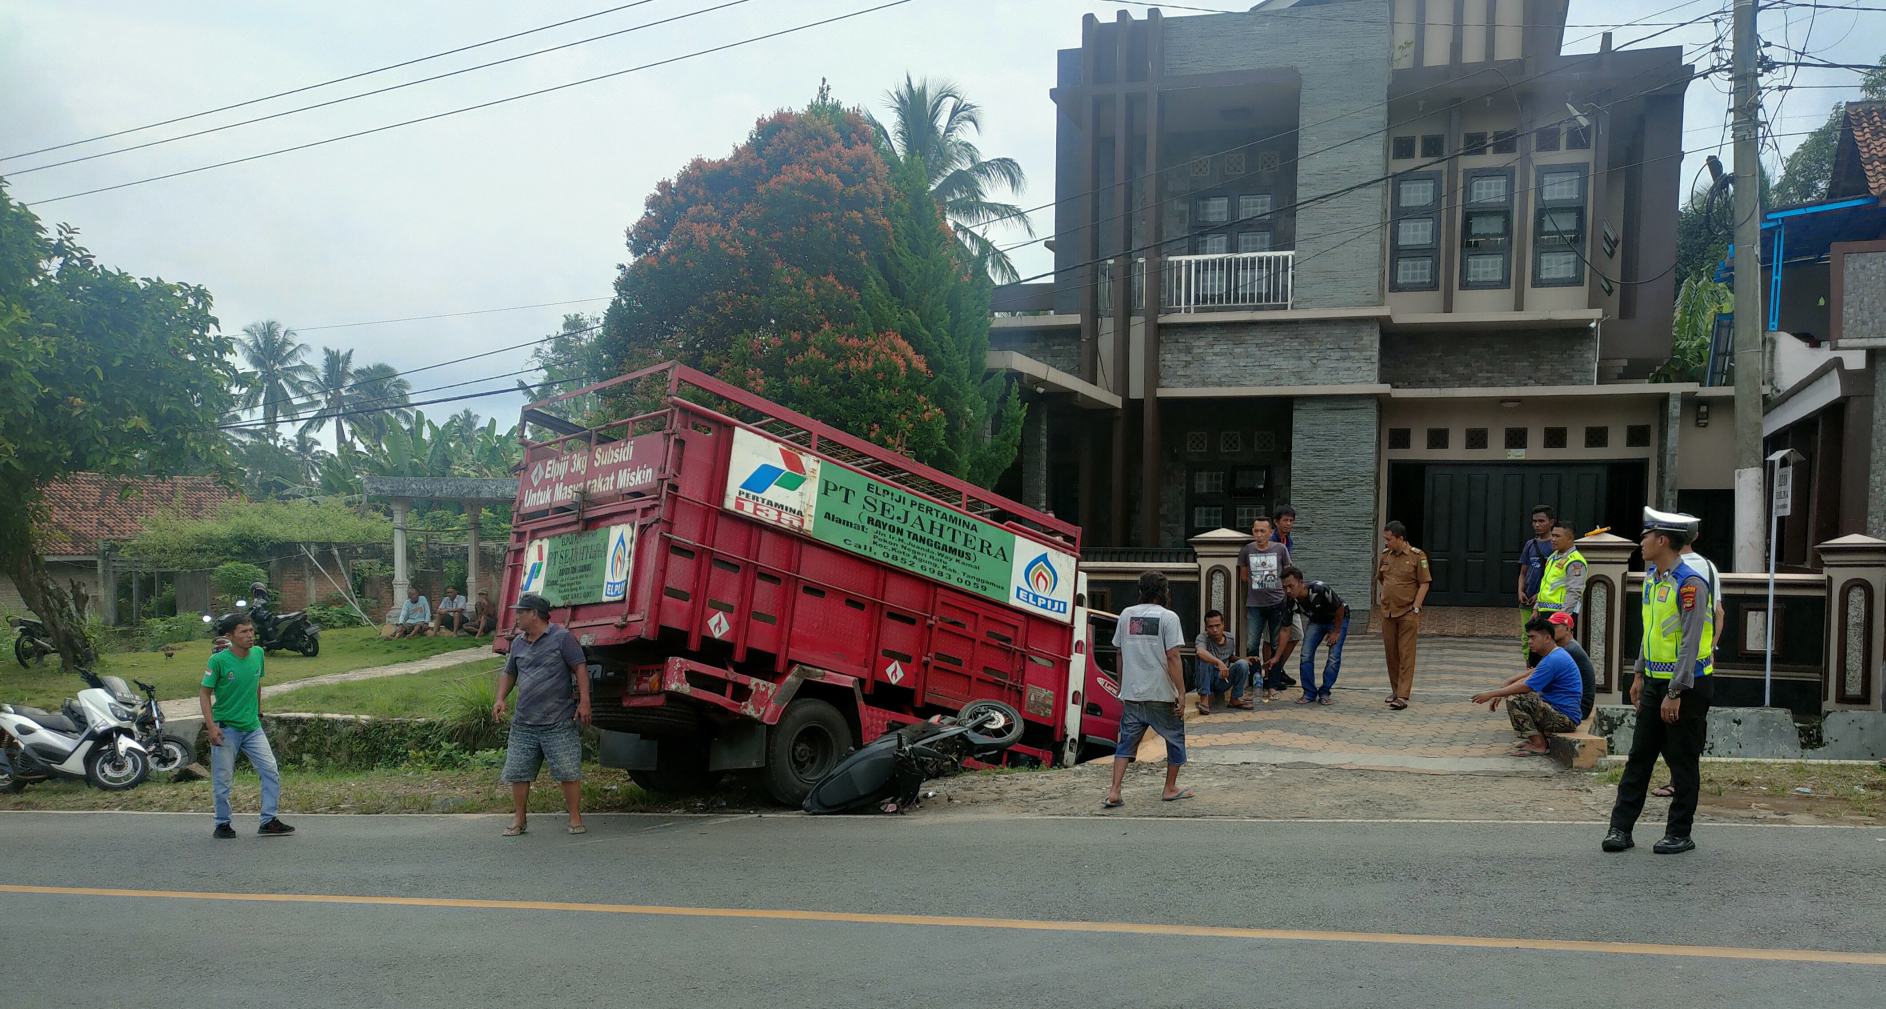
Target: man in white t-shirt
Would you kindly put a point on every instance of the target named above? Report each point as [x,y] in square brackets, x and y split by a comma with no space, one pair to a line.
[1152,684]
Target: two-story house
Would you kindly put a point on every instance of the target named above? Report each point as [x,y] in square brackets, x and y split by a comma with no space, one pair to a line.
[1377,259]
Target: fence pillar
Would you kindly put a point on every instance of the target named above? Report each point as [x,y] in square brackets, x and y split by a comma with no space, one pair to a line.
[401,506]
[1856,649]
[107,587]
[1607,567]
[1218,587]
[471,551]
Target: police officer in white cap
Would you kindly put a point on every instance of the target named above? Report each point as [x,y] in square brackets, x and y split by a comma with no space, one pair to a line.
[1672,685]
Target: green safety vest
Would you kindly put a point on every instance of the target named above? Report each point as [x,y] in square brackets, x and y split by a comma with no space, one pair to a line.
[1552,586]
[1663,623]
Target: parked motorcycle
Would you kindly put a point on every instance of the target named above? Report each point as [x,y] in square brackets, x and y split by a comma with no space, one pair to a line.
[293,631]
[888,773]
[31,644]
[93,738]
[169,753]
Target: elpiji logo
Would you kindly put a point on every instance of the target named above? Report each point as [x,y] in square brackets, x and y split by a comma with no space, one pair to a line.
[1039,580]
[789,476]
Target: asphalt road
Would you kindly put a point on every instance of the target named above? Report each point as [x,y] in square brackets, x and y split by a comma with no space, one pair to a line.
[790,911]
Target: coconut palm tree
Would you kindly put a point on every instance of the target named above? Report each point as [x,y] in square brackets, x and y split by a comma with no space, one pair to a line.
[277,373]
[931,120]
[333,384]
[378,388]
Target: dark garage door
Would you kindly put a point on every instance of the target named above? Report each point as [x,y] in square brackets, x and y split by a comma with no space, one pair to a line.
[1472,517]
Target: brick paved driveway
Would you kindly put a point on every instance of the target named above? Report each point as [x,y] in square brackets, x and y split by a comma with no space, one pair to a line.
[1438,733]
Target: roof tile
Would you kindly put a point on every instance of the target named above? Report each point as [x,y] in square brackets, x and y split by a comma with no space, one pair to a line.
[87,509]
[1867,120]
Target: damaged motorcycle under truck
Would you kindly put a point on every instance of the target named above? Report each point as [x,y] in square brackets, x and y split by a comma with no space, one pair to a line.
[757,592]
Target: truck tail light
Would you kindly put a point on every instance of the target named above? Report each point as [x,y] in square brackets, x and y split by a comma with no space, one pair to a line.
[645,683]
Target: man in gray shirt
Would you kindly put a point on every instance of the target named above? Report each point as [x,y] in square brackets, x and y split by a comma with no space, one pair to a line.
[543,660]
[1152,684]
[1261,569]
[1217,672]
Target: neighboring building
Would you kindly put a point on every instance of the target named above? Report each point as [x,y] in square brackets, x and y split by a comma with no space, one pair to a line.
[88,513]
[1404,269]
[1826,317]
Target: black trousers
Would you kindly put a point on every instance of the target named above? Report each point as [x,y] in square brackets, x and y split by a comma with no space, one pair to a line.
[1680,745]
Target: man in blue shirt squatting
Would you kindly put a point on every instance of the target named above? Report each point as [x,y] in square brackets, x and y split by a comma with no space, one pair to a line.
[1543,700]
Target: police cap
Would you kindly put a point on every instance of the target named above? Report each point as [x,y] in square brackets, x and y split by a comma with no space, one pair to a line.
[1672,522]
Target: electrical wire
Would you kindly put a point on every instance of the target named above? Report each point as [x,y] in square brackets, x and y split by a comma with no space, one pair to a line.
[321,84]
[804,26]
[377,91]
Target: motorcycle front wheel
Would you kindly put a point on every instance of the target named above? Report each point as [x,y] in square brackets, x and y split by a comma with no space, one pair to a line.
[110,771]
[170,754]
[311,646]
[26,652]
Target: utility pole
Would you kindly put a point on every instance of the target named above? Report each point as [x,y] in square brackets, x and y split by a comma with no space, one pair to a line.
[1749,499]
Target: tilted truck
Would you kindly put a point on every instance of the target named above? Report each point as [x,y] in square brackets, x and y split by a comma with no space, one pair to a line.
[759,592]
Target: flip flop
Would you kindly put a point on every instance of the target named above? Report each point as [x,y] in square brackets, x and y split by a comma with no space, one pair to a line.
[517,830]
[1398,704]
[1663,791]
[1306,699]
[1112,803]
[579,829]
[1187,794]
[1326,699]
[1520,751]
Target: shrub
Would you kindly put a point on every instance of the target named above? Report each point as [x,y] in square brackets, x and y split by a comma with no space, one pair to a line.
[332,616]
[467,717]
[233,578]
[161,631]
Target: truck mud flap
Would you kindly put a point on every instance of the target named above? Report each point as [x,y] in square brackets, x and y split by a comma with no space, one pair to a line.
[738,746]
[625,750]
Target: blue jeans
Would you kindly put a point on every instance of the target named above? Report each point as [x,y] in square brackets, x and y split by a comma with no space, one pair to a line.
[1315,635]
[1211,681]
[223,768]
[1160,716]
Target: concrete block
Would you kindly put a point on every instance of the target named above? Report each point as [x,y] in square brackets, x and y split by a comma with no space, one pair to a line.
[1578,750]
[1733,732]
[1853,735]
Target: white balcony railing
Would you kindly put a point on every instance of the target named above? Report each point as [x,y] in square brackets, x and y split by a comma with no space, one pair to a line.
[1237,280]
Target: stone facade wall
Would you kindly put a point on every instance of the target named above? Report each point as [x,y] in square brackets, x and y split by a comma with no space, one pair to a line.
[1268,353]
[1876,480]
[1058,348]
[1863,297]
[1333,463]
[1470,360]
[1343,65]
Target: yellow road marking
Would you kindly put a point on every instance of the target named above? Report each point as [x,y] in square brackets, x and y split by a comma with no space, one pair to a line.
[1009,924]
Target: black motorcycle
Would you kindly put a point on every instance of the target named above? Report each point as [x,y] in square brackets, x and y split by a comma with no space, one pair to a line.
[32,644]
[887,774]
[293,631]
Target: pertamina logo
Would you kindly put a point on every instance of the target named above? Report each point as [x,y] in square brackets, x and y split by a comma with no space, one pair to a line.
[1039,581]
[536,560]
[771,482]
[790,475]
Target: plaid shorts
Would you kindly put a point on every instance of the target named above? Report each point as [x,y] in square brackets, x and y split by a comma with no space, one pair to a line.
[531,746]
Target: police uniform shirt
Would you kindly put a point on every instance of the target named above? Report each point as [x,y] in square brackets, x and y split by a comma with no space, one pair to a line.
[1693,610]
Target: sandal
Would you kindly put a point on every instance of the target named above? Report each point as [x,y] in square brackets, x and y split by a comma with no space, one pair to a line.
[1663,791]
[1398,704]
[1326,699]
[517,830]
[1187,794]
[579,829]
[1243,705]
[1203,708]
[1523,751]
[1112,803]
[1306,699]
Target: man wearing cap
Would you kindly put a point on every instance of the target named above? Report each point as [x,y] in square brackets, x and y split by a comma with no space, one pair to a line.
[1672,688]
[544,659]
[1545,700]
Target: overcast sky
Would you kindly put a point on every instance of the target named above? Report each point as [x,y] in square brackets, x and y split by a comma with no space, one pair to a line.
[527,203]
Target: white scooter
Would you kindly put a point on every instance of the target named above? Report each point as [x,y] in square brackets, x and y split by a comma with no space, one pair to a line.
[94,739]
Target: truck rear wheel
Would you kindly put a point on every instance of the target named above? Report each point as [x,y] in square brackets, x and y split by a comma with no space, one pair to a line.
[810,739]
[680,769]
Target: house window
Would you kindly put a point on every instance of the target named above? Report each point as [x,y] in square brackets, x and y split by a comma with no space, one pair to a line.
[1577,138]
[1417,207]
[1559,231]
[1254,241]
[1473,143]
[1230,442]
[1505,141]
[1516,437]
[1400,438]
[1248,514]
[1235,163]
[1208,481]
[1214,209]
[1486,230]
[1213,245]
[1222,497]
[1555,437]
[1437,439]
[1401,148]
[1252,206]
[1433,145]
[1637,436]
[1208,517]
[1476,438]
[1545,138]
[1597,437]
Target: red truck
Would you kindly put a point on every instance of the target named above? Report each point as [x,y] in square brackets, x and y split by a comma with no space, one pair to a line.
[759,592]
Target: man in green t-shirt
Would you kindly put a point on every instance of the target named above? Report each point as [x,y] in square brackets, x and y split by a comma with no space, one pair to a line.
[232,709]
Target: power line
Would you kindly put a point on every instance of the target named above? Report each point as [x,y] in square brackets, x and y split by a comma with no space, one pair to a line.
[362,411]
[450,315]
[806,26]
[1368,21]
[380,91]
[322,84]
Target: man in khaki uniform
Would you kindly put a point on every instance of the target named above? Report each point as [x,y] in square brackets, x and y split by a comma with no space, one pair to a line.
[1401,578]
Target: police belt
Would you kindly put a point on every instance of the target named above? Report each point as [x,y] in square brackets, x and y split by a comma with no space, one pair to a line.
[1666,670]
[1545,607]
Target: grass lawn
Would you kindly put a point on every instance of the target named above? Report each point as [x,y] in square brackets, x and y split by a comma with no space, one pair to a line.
[414,695]
[391,790]
[342,650]
[1834,791]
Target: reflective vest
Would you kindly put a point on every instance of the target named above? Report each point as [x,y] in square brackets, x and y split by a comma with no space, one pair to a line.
[1553,584]
[1663,622]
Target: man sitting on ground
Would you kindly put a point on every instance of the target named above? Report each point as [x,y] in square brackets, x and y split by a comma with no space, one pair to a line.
[1217,672]
[483,619]
[450,618]
[1544,701]
[415,615]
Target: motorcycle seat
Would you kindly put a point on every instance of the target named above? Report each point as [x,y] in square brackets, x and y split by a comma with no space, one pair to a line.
[46,719]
